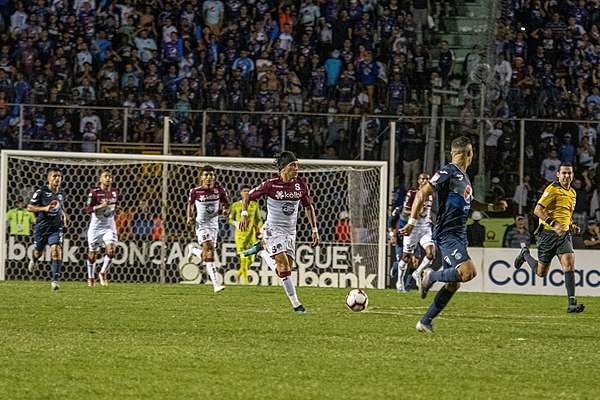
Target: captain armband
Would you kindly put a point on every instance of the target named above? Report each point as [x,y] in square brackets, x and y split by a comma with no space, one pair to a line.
[549,221]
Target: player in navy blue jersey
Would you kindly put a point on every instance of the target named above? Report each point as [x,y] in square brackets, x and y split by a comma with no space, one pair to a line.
[47,204]
[454,196]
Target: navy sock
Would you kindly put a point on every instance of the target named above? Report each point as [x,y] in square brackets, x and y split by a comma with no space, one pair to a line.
[445,275]
[56,267]
[570,285]
[441,300]
[532,262]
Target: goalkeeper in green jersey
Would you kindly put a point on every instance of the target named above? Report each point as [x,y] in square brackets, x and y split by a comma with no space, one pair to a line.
[244,240]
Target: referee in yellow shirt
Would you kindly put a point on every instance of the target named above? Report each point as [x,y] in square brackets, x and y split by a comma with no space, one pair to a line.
[553,236]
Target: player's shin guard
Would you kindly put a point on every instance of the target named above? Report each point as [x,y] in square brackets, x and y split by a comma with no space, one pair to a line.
[402,267]
[441,300]
[91,264]
[570,286]
[212,271]
[288,286]
[445,275]
[56,270]
[106,263]
[426,262]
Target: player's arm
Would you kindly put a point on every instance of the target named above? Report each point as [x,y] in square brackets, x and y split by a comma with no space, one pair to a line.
[190,208]
[244,219]
[312,219]
[226,203]
[477,205]
[392,221]
[65,217]
[540,211]
[416,209]
[34,206]
[575,228]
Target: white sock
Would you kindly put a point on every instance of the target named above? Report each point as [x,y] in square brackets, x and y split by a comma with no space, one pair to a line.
[197,252]
[90,268]
[424,264]
[212,273]
[269,260]
[401,273]
[106,264]
[290,290]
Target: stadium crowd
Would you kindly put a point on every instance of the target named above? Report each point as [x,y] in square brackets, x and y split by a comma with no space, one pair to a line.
[331,56]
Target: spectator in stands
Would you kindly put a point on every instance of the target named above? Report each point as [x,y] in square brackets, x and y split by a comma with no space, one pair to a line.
[476,231]
[591,236]
[550,166]
[517,236]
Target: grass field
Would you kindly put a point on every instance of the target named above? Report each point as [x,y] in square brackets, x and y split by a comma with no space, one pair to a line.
[142,341]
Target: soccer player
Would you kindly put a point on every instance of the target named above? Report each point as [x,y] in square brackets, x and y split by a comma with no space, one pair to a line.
[421,234]
[101,204]
[209,198]
[553,236]
[243,240]
[51,218]
[454,196]
[284,194]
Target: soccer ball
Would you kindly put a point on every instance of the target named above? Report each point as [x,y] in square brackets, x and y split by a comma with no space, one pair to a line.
[357,300]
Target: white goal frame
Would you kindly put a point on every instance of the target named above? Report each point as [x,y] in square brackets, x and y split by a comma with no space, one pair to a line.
[381,165]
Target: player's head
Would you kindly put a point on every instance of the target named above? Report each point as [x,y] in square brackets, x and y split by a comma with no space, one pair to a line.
[207,176]
[565,174]
[423,179]
[54,177]
[245,189]
[287,163]
[462,149]
[106,178]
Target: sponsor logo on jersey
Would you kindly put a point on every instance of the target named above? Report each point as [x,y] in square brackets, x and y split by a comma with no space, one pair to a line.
[208,197]
[287,195]
[467,194]
[288,208]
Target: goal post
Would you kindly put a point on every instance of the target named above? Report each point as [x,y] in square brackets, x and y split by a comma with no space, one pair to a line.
[154,236]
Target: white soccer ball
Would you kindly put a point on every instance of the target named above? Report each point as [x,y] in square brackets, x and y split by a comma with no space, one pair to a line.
[357,300]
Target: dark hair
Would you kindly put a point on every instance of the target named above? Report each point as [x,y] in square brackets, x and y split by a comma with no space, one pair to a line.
[284,158]
[208,168]
[460,143]
[245,186]
[565,164]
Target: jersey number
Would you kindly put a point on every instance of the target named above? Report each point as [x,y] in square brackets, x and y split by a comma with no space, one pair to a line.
[297,186]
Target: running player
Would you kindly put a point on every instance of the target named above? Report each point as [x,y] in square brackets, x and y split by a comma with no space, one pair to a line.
[454,196]
[420,235]
[209,199]
[101,204]
[47,203]
[284,194]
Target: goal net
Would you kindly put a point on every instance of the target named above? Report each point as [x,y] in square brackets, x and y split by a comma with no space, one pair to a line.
[349,198]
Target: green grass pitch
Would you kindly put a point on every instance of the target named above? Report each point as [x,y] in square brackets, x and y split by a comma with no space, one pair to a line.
[143,341]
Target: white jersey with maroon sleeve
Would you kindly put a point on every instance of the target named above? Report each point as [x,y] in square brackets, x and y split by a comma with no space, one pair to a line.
[103,218]
[208,202]
[425,216]
[283,199]
[103,228]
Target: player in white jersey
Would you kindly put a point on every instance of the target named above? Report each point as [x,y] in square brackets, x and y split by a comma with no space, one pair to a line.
[208,199]
[420,235]
[101,205]
[284,194]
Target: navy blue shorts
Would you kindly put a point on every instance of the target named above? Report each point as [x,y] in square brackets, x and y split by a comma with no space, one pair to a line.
[453,250]
[41,239]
